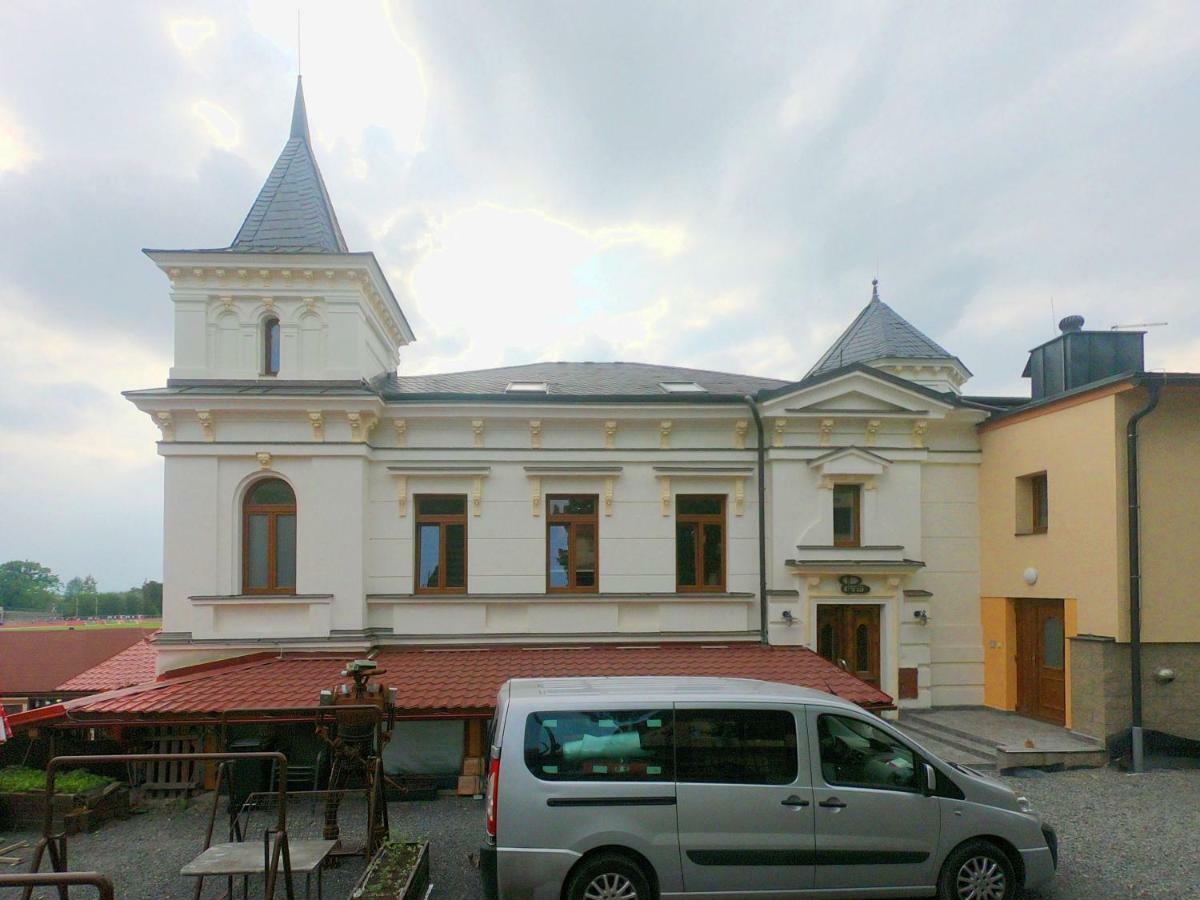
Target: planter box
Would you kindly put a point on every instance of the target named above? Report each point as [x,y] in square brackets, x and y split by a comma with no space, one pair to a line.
[71,812]
[399,871]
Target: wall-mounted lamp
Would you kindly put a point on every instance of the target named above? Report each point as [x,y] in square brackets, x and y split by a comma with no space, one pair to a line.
[921,615]
[788,618]
[1030,575]
[1164,676]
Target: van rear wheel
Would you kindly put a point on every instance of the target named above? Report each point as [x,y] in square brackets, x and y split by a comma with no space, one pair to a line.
[609,876]
[978,870]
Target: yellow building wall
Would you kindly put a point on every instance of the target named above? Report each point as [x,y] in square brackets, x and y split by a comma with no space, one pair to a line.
[1082,553]
[1169,467]
[999,623]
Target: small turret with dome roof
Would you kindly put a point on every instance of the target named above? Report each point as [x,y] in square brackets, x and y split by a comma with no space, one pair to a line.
[883,339]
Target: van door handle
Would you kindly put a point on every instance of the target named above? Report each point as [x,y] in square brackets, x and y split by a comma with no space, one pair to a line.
[832,803]
[793,801]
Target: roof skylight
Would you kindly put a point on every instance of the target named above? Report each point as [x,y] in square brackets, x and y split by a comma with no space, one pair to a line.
[682,387]
[527,387]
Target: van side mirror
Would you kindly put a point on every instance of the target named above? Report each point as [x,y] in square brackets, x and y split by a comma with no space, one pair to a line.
[930,780]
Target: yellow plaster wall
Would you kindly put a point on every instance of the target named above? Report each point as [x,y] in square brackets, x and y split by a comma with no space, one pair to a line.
[1082,553]
[999,647]
[1169,466]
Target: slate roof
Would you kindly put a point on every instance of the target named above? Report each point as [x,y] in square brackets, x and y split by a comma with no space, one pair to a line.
[293,212]
[575,379]
[38,662]
[879,332]
[433,681]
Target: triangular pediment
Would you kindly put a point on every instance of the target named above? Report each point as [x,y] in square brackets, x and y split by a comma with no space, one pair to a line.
[850,461]
[857,392]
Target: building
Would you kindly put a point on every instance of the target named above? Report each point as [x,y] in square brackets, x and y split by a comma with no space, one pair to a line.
[320,501]
[1058,571]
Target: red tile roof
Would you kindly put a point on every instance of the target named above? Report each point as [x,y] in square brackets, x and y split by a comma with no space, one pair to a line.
[37,662]
[445,681]
[133,665]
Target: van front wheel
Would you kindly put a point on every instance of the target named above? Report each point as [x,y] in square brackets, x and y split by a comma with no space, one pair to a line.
[609,876]
[978,870]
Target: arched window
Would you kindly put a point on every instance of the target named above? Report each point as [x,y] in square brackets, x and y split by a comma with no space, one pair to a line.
[271,346]
[269,538]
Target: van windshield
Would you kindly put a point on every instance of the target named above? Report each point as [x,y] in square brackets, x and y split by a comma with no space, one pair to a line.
[582,745]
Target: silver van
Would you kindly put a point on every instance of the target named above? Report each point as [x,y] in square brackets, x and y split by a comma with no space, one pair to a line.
[637,788]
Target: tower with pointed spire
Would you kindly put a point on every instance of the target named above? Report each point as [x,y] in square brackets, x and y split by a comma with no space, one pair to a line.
[883,339]
[286,300]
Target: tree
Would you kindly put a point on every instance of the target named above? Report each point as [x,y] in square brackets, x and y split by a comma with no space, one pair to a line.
[78,589]
[151,604]
[25,584]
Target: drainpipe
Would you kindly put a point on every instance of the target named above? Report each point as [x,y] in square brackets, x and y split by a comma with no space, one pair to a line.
[762,518]
[1135,570]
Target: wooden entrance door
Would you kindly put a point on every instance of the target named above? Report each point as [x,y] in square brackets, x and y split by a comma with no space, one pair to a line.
[1041,660]
[848,635]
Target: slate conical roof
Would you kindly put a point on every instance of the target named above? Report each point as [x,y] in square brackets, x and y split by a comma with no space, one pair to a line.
[879,332]
[293,212]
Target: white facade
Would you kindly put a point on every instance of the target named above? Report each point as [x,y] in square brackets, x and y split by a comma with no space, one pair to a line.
[356,461]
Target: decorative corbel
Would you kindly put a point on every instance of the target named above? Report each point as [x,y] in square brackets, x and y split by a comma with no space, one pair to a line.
[477,496]
[310,304]
[166,424]
[780,428]
[477,432]
[535,433]
[227,302]
[402,494]
[826,483]
[361,424]
[206,424]
[826,431]
[918,432]
[610,434]
[664,495]
[608,496]
[535,495]
[316,419]
[740,427]
[664,434]
[264,459]
[814,581]
[268,303]
[401,428]
[739,496]
[893,581]
[872,431]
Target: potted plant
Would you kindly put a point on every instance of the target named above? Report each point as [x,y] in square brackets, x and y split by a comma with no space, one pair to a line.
[399,870]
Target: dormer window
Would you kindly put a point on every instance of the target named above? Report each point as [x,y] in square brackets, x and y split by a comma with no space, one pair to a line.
[682,387]
[271,346]
[527,387]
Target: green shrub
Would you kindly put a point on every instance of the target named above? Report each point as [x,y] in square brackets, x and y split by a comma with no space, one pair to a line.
[19,778]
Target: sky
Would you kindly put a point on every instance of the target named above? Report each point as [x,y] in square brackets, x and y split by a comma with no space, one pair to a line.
[708,184]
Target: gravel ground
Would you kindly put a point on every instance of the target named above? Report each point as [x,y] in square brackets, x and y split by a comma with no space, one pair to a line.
[1122,836]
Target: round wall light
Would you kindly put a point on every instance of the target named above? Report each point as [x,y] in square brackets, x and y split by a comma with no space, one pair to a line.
[1030,575]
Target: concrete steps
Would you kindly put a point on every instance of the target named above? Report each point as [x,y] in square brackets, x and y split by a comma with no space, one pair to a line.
[1003,741]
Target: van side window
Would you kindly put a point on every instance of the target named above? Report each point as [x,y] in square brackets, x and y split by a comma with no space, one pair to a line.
[857,754]
[736,746]
[621,745]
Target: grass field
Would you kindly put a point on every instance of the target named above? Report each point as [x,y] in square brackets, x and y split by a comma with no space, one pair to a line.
[81,625]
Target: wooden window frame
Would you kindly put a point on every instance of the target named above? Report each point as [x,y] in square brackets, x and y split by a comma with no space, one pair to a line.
[442,520]
[854,540]
[571,520]
[1039,489]
[272,511]
[271,323]
[700,520]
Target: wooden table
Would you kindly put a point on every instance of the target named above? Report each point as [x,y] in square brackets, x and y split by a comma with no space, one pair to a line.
[247,858]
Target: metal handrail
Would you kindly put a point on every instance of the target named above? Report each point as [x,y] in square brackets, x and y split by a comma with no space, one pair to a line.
[56,843]
[29,880]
